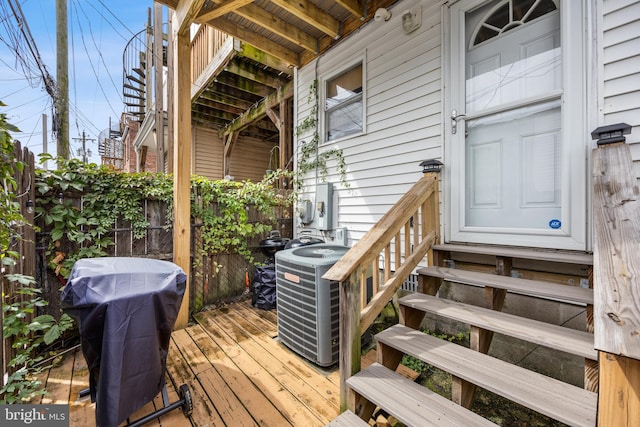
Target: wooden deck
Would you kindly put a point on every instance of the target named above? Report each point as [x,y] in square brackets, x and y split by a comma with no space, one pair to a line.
[239,374]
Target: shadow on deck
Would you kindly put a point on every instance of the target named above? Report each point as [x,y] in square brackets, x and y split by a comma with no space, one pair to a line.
[237,371]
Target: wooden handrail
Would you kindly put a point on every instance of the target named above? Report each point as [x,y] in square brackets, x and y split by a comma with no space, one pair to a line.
[402,238]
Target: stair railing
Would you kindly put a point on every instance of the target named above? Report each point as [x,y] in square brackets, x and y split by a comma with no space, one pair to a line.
[616,276]
[373,270]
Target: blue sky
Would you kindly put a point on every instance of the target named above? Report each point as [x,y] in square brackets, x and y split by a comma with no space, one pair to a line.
[98,33]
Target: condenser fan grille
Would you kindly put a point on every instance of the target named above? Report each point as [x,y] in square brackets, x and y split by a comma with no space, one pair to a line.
[323,252]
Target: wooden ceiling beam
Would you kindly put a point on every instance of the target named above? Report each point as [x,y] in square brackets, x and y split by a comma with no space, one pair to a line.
[233,94]
[205,103]
[355,7]
[255,39]
[223,99]
[221,9]
[312,15]
[251,72]
[172,4]
[278,26]
[243,84]
[249,51]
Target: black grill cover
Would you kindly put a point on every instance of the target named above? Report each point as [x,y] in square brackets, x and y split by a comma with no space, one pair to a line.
[126,309]
[264,287]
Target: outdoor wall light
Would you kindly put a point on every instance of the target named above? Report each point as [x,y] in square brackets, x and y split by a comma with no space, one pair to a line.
[60,198]
[29,206]
[611,133]
[431,165]
[382,14]
[411,19]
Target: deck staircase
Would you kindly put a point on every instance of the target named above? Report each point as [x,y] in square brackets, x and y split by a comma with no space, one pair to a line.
[606,345]
[378,385]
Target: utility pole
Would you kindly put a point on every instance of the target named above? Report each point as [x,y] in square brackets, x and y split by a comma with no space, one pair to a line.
[83,151]
[44,137]
[61,121]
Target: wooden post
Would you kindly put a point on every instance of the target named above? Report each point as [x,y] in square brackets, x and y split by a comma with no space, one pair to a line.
[184,16]
[158,66]
[616,274]
[349,334]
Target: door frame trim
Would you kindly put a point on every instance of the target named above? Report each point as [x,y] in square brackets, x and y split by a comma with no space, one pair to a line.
[575,50]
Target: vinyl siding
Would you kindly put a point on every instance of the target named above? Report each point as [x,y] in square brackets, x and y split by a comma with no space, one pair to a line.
[620,52]
[207,153]
[402,100]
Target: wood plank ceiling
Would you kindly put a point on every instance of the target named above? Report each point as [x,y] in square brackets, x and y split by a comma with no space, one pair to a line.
[273,37]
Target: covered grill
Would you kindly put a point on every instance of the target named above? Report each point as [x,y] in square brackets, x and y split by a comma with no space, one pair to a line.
[126,309]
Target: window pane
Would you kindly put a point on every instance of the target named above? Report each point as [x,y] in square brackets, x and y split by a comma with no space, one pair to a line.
[344,120]
[343,104]
[343,87]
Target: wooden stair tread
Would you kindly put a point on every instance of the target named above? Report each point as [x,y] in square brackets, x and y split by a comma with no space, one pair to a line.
[347,419]
[560,338]
[579,258]
[534,288]
[409,402]
[556,399]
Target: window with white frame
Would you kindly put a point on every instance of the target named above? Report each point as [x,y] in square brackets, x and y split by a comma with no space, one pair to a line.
[343,104]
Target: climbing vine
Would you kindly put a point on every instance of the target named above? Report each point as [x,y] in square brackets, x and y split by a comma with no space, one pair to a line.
[310,157]
[26,332]
[80,204]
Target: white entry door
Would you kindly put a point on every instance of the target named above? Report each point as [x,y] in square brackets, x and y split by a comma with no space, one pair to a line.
[517,142]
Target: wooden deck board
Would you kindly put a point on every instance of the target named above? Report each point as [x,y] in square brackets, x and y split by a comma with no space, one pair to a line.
[237,372]
[292,373]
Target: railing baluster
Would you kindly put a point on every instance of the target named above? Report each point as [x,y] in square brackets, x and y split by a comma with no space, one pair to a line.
[416,227]
[375,276]
[407,241]
[363,288]
[387,262]
[398,245]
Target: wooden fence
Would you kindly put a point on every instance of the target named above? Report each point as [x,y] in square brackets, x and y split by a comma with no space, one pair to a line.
[24,245]
[213,279]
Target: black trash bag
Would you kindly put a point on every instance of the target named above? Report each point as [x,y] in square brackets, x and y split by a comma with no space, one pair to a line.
[264,287]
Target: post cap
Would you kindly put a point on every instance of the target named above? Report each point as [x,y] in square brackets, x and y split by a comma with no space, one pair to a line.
[431,165]
[610,134]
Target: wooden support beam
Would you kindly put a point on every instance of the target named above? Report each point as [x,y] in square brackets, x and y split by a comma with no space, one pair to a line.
[251,72]
[222,98]
[273,116]
[228,146]
[182,165]
[186,12]
[354,6]
[170,86]
[251,52]
[619,406]
[350,334]
[255,39]
[260,110]
[158,87]
[220,9]
[243,85]
[312,15]
[278,26]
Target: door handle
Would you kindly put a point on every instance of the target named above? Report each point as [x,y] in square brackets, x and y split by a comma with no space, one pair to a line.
[454,120]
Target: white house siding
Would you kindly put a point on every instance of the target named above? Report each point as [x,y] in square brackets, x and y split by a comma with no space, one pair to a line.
[620,50]
[402,98]
[207,153]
